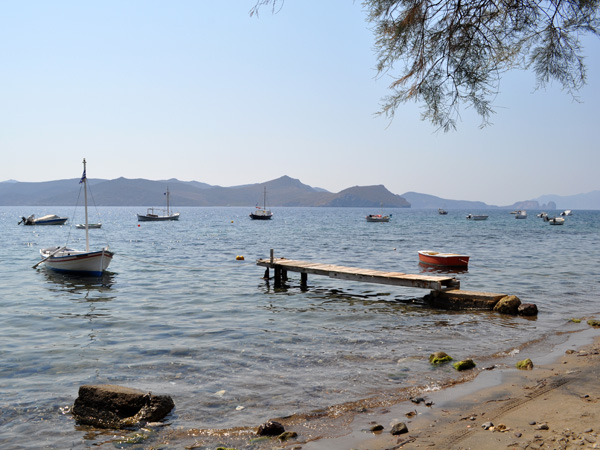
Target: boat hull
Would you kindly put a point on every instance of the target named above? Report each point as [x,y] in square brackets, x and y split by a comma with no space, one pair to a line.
[79,262]
[476,217]
[432,258]
[377,218]
[81,226]
[46,220]
[156,218]
[261,214]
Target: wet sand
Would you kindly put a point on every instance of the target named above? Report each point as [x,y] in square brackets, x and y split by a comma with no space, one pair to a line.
[556,405]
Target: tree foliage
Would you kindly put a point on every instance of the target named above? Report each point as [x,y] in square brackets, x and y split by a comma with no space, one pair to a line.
[450,54]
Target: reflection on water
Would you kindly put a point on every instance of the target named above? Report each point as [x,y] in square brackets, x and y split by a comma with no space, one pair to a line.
[426,268]
[75,283]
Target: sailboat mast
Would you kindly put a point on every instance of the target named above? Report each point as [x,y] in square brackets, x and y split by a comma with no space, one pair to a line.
[87,231]
[168,212]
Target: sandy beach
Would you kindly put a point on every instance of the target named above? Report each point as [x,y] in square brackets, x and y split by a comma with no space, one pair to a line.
[556,405]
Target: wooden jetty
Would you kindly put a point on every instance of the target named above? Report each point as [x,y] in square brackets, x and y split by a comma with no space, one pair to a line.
[282,265]
[445,290]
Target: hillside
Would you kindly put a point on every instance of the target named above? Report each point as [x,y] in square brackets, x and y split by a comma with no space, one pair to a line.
[284,191]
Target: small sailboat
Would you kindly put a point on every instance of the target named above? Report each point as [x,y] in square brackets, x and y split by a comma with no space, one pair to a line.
[262,213]
[64,259]
[161,214]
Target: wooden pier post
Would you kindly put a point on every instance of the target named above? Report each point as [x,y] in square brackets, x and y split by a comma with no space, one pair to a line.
[303,280]
[277,276]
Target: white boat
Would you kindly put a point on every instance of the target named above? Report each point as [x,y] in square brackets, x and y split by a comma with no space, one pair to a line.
[520,214]
[377,218]
[157,215]
[566,212]
[262,213]
[543,215]
[556,220]
[50,219]
[82,226]
[442,212]
[477,217]
[84,262]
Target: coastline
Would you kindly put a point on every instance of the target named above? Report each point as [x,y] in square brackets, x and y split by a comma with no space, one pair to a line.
[560,393]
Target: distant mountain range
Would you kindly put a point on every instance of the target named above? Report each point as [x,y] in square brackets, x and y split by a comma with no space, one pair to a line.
[284,191]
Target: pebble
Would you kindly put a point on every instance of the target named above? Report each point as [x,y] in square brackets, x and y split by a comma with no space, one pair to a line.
[487,425]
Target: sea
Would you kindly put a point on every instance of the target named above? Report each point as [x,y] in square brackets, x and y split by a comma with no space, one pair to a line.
[185,311]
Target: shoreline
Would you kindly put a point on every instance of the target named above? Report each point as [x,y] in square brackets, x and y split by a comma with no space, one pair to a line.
[560,392]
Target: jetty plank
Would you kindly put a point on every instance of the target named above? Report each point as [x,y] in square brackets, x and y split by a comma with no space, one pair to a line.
[432,282]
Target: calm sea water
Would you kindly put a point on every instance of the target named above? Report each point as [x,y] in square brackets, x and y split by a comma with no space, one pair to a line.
[179,315]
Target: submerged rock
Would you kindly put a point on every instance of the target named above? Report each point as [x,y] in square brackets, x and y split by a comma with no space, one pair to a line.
[439,358]
[527,309]
[464,365]
[111,406]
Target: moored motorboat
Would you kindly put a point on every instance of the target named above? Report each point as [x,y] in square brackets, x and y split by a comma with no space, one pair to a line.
[556,220]
[433,258]
[65,259]
[377,218]
[82,226]
[566,212]
[521,214]
[50,219]
[442,212]
[477,217]
[159,215]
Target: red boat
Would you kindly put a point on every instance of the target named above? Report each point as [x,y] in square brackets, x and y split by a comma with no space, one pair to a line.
[432,258]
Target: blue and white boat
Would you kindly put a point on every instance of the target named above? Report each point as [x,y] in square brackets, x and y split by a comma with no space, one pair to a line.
[50,219]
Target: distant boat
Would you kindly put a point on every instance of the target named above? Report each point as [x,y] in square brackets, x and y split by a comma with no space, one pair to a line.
[556,220]
[566,212]
[50,219]
[442,212]
[262,213]
[64,259]
[157,215]
[81,226]
[377,218]
[477,217]
[543,215]
[432,258]
[520,214]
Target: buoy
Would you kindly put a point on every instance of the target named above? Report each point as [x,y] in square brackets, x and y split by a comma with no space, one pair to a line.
[239,258]
[138,224]
[232,221]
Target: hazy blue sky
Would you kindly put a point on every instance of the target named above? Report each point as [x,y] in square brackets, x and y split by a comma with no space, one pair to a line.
[199,90]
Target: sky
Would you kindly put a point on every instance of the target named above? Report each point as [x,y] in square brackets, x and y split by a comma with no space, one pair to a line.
[202,91]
